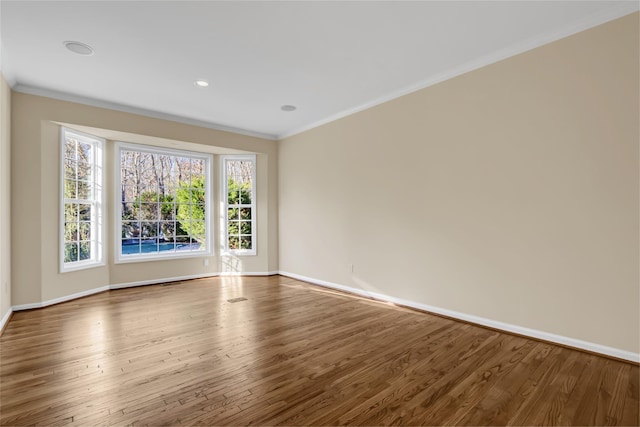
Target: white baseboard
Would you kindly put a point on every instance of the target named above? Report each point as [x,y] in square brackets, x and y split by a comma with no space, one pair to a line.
[129,285]
[60,299]
[5,318]
[520,330]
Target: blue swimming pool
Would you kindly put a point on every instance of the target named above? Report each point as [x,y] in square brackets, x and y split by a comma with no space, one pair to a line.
[145,248]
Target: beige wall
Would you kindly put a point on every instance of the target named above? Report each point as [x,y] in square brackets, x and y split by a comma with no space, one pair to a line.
[35,201]
[509,193]
[5,197]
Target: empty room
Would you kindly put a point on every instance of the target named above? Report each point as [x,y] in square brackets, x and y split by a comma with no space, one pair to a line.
[319,213]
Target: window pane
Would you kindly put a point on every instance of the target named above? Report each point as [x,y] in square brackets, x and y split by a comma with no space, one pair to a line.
[149,229]
[70,189]
[245,213]
[85,152]
[232,213]
[146,169]
[70,212]
[148,211]
[197,178]
[129,211]
[84,170]
[197,167]
[233,228]
[70,252]
[71,231]
[84,212]
[183,166]
[245,227]
[84,190]
[129,193]
[149,194]
[70,169]
[245,242]
[130,230]
[245,194]
[234,242]
[168,209]
[70,149]
[129,247]
[85,250]
[197,194]
[183,212]
[84,231]
[168,231]
[234,193]
[180,229]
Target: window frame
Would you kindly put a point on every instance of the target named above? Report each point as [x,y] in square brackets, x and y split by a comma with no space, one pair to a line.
[97,201]
[119,258]
[224,235]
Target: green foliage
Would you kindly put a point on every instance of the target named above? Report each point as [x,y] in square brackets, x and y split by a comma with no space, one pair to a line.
[238,193]
[146,207]
[77,232]
[191,208]
[239,218]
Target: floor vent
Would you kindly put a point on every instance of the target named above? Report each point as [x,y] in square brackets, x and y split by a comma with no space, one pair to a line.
[232,300]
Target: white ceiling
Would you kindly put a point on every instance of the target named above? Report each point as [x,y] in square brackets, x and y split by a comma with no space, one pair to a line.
[328,58]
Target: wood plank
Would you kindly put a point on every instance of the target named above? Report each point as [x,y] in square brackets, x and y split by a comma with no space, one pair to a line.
[290,354]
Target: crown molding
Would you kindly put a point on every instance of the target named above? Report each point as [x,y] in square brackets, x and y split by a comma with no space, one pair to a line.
[496,56]
[63,96]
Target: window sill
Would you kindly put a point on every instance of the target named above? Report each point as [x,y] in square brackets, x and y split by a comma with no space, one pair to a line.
[239,253]
[81,265]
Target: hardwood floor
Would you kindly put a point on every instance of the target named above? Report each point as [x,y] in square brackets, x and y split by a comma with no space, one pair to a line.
[290,354]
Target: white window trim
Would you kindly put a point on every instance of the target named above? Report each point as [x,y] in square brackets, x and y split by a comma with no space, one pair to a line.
[224,247]
[97,214]
[118,257]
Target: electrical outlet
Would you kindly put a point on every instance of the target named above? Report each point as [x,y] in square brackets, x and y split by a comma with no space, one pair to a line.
[352,268]
[205,262]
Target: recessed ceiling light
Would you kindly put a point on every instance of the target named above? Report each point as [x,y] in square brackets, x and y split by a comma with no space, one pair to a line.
[288,108]
[201,83]
[79,48]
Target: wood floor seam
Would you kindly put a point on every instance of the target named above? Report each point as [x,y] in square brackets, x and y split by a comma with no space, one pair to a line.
[290,354]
